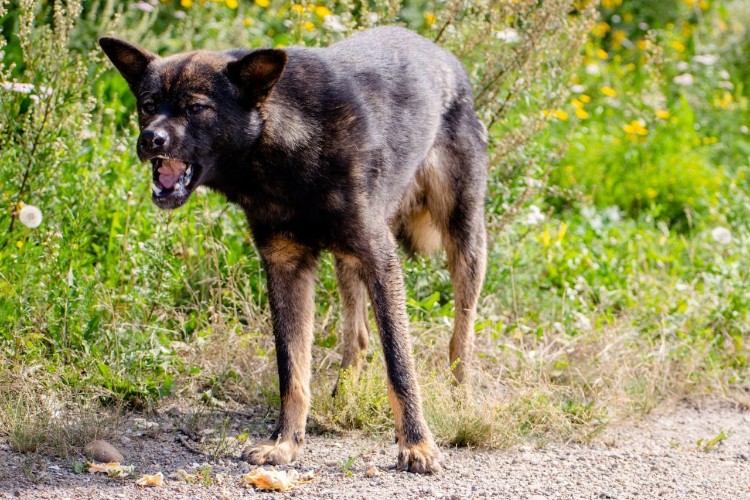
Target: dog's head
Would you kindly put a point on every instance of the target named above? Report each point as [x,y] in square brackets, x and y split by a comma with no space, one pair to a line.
[195,110]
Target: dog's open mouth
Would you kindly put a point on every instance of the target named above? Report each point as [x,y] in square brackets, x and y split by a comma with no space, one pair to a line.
[172,180]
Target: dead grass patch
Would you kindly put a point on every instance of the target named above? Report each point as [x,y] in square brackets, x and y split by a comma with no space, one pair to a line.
[38,414]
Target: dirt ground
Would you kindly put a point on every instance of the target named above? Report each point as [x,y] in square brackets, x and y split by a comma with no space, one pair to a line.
[677,452]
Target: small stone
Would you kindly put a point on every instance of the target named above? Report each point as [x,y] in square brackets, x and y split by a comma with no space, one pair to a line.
[102,451]
[331,463]
[537,497]
[373,471]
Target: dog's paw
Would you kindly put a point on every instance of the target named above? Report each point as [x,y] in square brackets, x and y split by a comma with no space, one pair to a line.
[271,452]
[422,458]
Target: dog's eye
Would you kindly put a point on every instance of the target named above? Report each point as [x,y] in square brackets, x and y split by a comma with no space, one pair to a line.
[196,108]
[149,108]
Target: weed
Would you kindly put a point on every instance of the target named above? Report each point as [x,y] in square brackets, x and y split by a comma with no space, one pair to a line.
[346,466]
[711,444]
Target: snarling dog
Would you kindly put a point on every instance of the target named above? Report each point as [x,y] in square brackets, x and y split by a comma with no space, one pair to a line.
[349,149]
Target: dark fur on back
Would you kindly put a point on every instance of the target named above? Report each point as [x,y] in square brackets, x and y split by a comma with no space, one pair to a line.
[346,149]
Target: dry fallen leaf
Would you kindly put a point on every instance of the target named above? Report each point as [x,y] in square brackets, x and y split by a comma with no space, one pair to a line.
[151,480]
[276,479]
[110,468]
[373,471]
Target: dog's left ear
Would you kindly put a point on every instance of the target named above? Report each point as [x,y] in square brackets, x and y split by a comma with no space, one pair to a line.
[256,73]
[130,60]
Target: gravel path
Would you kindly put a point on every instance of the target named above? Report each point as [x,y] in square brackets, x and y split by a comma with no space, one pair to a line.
[655,458]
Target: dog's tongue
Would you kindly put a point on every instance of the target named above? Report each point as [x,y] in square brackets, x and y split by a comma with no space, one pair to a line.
[170,171]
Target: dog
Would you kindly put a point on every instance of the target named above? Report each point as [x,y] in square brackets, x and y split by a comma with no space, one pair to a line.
[352,149]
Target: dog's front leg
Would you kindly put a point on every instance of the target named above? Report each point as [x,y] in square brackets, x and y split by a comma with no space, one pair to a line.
[290,276]
[383,274]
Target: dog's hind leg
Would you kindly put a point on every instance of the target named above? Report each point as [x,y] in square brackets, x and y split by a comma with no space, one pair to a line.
[455,177]
[356,329]
[290,271]
[467,259]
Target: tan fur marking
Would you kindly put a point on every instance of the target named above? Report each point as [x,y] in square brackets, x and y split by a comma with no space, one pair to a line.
[438,189]
[423,232]
[398,414]
[283,252]
[284,125]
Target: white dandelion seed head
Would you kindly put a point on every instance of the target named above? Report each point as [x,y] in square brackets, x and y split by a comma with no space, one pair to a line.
[578,89]
[333,23]
[706,59]
[685,79]
[534,217]
[508,36]
[593,69]
[722,235]
[145,7]
[30,216]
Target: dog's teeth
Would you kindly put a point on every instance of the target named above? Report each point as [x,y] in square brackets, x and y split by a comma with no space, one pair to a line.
[189,170]
[156,189]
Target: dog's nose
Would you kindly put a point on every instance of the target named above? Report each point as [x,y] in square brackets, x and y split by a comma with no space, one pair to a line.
[153,140]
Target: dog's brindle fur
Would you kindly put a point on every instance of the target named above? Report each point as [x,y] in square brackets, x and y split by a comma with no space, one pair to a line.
[348,149]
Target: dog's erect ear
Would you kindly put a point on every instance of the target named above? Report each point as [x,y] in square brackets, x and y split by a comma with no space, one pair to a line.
[130,60]
[256,73]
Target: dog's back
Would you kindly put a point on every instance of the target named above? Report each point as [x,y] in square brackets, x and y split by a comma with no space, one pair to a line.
[401,107]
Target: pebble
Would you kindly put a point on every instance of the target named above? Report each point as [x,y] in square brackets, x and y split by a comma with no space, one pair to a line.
[102,451]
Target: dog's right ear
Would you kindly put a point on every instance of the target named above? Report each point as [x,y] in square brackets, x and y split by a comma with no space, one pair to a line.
[130,60]
[256,73]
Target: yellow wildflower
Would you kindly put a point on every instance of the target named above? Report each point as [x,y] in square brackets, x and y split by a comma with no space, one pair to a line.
[232,4]
[643,44]
[584,98]
[662,114]
[309,26]
[602,54]
[609,91]
[617,37]
[298,9]
[19,244]
[186,3]
[560,114]
[322,12]
[725,101]
[651,193]
[600,29]
[429,18]
[263,3]
[247,21]
[581,113]
[576,103]
[545,237]
[678,46]
[635,128]
[561,232]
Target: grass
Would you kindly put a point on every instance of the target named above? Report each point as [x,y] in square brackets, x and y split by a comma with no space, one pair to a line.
[608,289]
